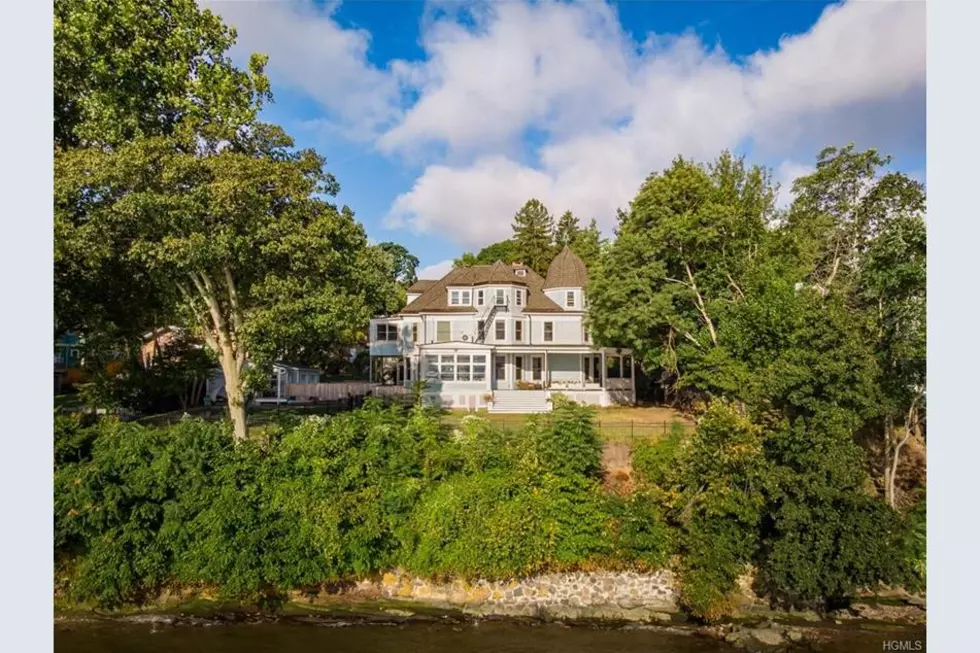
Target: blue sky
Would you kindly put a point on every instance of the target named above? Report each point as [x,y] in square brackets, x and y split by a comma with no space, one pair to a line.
[440,118]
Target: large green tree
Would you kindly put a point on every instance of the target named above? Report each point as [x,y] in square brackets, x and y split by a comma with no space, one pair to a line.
[677,264]
[860,232]
[566,230]
[504,250]
[534,236]
[263,264]
[124,70]
[211,211]
[404,262]
[588,243]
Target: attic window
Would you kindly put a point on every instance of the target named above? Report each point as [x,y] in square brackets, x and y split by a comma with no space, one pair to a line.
[521,272]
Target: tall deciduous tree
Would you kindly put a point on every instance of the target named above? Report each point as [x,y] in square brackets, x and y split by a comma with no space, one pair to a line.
[264,265]
[676,265]
[861,233]
[534,236]
[404,262]
[124,70]
[893,286]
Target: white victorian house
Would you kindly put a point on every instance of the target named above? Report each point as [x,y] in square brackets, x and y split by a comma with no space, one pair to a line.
[501,336]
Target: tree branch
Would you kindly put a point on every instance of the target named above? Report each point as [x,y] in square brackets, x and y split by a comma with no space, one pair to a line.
[700,305]
[236,317]
[207,329]
[735,286]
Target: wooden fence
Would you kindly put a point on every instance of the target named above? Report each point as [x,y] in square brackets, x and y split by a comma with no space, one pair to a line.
[342,390]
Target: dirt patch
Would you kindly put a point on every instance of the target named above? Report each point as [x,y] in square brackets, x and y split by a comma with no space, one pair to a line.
[617,468]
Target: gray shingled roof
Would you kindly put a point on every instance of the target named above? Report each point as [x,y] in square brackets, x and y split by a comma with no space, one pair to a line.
[567,271]
[434,299]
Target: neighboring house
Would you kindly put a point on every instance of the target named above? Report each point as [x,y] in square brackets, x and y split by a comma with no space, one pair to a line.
[67,356]
[67,351]
[282,375]
[501,331]
[157,341]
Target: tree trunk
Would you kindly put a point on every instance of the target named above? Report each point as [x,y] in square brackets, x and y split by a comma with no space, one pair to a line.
[233,390]
[887,463]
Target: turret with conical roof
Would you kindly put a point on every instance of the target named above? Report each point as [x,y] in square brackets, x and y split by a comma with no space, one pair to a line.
[567,270]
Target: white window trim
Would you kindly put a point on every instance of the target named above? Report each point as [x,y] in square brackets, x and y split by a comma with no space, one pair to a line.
[569,299]
[500,297]
[520,297]
[544,331]
[496,329]
[436,363]
[518,331]
[454,298]
[383,332]
[479,298]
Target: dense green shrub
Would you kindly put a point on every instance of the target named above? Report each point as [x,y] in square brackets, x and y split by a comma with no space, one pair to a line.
[74,436]
[825,534]
[716,500]
[642,535]
[654,459]
[914,545]
[569,443]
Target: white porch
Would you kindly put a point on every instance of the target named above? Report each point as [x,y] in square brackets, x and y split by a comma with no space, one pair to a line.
[511,379]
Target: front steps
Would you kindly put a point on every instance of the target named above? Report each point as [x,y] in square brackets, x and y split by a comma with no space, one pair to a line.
[520,401]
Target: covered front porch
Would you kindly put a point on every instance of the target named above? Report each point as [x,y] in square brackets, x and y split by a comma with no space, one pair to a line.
[546,369]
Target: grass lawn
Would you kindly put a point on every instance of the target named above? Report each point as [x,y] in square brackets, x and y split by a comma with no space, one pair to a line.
[616,423]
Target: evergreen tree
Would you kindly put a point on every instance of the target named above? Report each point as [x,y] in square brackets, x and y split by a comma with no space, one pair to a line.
[587,243]
[567,230]
[534,236]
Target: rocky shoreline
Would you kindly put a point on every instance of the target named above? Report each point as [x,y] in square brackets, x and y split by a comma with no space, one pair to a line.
[751,631]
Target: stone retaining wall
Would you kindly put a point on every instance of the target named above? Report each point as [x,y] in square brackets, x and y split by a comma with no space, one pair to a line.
[601,595]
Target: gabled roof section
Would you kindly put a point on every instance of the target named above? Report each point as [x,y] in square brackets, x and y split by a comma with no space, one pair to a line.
[567,270]
[434,299]
[421,285]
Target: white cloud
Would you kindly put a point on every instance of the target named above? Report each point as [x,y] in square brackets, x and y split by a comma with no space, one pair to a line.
[310,52]
[609,110]
[436,270]
[785,174]
[631,110]
[474,205]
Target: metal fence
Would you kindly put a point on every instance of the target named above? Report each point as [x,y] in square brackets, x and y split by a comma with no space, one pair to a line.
[618,430]
[609,430]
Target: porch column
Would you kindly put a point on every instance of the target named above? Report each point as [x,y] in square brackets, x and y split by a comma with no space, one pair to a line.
[633,375]
[602,372]
[546,375]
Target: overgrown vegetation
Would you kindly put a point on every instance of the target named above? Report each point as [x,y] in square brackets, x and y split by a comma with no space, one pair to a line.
[325,499]
[139,509]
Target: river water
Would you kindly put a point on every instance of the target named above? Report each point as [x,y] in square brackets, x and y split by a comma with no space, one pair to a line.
[497,637]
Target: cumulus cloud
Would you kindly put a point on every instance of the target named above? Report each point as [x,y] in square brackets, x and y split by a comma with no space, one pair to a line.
[435,271]
[310,52]
[858,74]
[605,109]
[785,174]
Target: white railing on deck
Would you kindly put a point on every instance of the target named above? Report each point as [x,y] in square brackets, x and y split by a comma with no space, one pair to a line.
[341,390]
